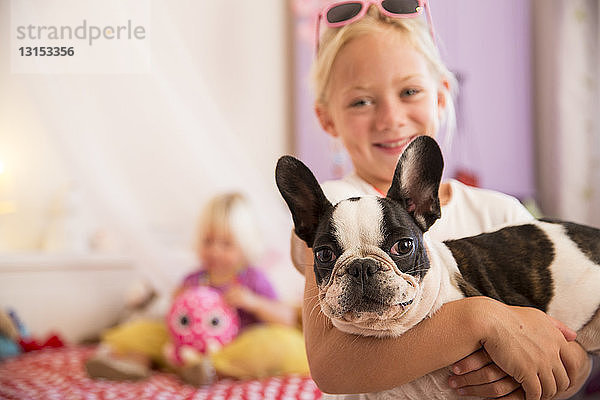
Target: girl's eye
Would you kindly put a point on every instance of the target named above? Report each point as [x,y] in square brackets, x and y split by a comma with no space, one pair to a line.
[361,103]
[402,247]
[325,256]
[410,92]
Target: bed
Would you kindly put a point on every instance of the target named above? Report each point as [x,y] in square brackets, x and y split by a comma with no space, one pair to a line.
[58,374]
[86,294]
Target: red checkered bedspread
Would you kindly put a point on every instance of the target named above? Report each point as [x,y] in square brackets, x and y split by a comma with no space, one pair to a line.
[58,374]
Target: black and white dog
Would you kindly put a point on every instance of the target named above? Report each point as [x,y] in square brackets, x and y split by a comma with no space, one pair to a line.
[379,274]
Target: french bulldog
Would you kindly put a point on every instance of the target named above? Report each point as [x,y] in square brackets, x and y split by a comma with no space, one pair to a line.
[379,274]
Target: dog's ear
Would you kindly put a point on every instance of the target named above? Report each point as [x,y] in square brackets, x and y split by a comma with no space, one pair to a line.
[303,195]
[417,181]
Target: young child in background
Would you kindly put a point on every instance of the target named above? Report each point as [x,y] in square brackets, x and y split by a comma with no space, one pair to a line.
[380,82]
[228,240]
[269,342]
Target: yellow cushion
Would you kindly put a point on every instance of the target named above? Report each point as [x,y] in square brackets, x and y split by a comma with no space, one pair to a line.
[143,336]
[261,351]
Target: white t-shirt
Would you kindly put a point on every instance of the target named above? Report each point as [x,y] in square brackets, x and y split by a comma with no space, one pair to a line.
[469,212]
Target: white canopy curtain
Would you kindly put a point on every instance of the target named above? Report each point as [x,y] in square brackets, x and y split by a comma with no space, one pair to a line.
[147,150]
[567,71]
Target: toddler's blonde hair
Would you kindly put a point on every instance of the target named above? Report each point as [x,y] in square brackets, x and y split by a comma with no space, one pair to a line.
[231,214]
[415,30]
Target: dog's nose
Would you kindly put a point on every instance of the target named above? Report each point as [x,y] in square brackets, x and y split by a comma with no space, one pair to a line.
[364,268]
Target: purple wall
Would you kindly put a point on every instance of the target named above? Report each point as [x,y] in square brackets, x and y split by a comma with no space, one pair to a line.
[487,42]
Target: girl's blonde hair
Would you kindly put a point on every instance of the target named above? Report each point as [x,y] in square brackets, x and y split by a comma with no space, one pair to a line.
[231,214]
[415,30]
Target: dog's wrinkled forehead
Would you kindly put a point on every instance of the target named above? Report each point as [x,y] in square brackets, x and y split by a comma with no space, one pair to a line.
[414,189]
[358,222]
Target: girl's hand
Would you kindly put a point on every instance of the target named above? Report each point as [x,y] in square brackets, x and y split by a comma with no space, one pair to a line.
[240,297]
[264,309]
[477,375]
[525,343]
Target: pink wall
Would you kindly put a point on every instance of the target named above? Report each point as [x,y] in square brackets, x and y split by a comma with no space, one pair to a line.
[487,42]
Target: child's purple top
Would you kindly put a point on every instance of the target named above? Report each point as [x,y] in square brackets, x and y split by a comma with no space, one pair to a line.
[251,277]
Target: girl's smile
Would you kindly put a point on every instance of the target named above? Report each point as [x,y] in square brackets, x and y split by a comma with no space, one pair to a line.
[394,147]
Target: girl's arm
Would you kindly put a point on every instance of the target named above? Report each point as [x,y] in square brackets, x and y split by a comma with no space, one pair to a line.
[263,308]
[522,341]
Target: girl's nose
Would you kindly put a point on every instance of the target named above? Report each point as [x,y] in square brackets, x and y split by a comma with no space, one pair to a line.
[391,114]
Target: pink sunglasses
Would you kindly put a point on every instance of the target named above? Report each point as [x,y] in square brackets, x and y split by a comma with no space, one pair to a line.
[346,12]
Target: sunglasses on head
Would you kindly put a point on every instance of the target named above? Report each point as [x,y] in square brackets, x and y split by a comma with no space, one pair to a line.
[346,12]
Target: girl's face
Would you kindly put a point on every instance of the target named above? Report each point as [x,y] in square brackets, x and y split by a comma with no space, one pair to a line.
[381,96]
[220,253]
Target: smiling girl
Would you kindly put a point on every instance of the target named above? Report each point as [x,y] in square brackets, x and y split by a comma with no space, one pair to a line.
[380,82]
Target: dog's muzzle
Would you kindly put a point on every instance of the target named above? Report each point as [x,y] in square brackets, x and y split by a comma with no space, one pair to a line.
[366,289]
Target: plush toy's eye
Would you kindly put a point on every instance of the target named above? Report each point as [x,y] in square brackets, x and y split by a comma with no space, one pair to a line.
[216,322]
[402,247]
[184,320]
[325,255]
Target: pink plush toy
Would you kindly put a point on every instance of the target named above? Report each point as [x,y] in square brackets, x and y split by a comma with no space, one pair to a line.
[200,321]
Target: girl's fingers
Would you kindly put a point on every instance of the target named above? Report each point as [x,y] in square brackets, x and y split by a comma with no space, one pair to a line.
[567,332]
[562,380]
[488,374]
[548,384]
[532,387]
[516,395]
[472,362]
[577,364]
[494,390]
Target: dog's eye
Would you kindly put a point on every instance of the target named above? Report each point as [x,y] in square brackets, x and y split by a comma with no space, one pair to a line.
[402,247]
[325,255]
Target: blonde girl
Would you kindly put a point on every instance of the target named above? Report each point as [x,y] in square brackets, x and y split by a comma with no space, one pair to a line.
[379,82]
[228,245]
